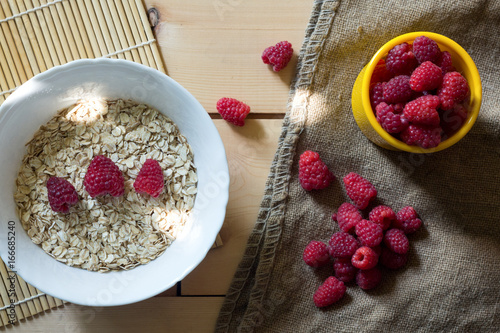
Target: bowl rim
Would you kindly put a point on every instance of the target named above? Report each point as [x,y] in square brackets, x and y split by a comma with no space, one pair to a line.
[474,84]
[23,90]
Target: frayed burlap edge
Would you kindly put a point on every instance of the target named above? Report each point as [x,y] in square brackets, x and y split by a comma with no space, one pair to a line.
[255,268]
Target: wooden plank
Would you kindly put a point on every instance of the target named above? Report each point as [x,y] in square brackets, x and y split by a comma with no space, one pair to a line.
[250,151]
[214,48]
[157,314]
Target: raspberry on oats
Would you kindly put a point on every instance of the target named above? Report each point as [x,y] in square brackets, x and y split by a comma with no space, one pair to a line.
[103,177]
[347,217]
[313,172]
[360,190]
[150,179]
[61,193]
[369,233]
[331,291]
[364,258]
[316,254]
[342,245]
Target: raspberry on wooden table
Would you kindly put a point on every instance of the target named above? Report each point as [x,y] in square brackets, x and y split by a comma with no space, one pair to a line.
[423,111]
[313,172]
[331,291]
[407,220]
[369,233]
[360,190]
[233,110]
[454,89]
[396,241]
[427,76]
[398,90]
[150,179]
[364,258]
[61,193]
[391,121]
[426,49]
[382,215]
[103,177]
[401,60]
[423,136]
[368,278]
[278,55]
[348,216]
[392,260]
[342,245]
[316,254]
[344,270]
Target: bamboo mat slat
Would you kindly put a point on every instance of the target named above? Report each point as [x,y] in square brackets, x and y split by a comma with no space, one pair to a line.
[36,35]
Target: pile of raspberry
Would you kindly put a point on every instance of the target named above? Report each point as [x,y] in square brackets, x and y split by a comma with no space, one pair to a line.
[417,95]
[368,238]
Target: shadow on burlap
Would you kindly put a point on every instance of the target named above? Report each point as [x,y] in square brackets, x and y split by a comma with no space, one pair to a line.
[452,281]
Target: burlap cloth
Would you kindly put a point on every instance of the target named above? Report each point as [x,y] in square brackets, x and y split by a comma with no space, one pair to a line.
[452,280]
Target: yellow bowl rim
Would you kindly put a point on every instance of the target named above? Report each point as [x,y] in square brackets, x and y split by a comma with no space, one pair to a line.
[474,84]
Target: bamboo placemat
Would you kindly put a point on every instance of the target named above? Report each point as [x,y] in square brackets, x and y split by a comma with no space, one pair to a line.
[36,35]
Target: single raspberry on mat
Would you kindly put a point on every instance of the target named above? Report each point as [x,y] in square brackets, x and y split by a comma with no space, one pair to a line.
[368,278]
[401,60]
[344,270]
[392,260]
[398,90]
[103,177]
[427,76]
[426,49]
[380,73]
[313,172]
[369,233]
[331,291]
[445,63]
[383,216]
[407,220]
[316,254]
[364,258]
[61,193]
[278,55]
[396,241]
[360,190]
[454,89]
[377,94]
[391,121]
[453,119]
[150,179]
[233,110]
[423,111]
[348,216]
[422,136]
[342,245]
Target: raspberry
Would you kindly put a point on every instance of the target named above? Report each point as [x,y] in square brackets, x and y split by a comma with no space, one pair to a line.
[61,193]
[103,177]
[313,173]
[344,270]
[427,76]
[331,291]
[150,179]
[389,119]
[445,62]
[392,260]
[364,258]
[453,90]
[369,278]
[398,90]
[407,220]
[380,73]
[369,233]
[278,55]
[342,245]
[377,94]
[360,190]
[233,110]
[396,241]
[316,254]
[453,119]
[398,107]
[383,216]
[423,111]
[423,136]
[401,60]
[425,49]
[347,217]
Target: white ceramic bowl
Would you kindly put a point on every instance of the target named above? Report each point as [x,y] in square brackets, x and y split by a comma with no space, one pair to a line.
[35,102]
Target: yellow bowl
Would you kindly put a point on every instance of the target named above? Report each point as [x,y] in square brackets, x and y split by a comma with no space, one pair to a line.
[363,112]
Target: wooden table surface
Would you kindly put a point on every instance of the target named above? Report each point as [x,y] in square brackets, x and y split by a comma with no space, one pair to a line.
[213,49]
